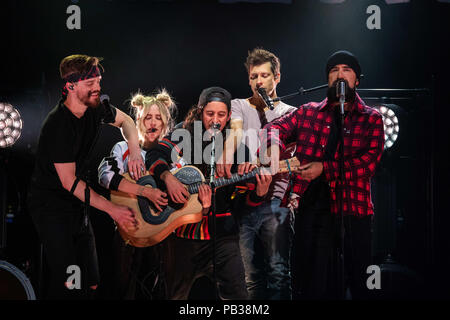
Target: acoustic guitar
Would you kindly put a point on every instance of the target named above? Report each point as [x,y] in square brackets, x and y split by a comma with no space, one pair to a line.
[154,226]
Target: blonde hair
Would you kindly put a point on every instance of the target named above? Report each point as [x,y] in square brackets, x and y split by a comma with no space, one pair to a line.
[166,105]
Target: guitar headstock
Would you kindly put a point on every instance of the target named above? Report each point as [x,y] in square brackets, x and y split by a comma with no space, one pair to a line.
[288,165]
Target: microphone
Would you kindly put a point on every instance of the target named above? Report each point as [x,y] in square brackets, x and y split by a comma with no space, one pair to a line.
[215,126]
[262,93]
[341,87]
[104,98]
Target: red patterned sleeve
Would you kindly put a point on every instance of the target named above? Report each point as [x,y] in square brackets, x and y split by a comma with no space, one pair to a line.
[279,131]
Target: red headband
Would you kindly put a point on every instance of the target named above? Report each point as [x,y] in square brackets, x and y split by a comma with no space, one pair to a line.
[75,77]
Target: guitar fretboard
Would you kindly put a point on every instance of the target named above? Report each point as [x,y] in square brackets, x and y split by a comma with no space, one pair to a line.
[221,182]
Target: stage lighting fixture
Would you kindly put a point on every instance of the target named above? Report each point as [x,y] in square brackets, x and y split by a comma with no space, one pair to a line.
[390,122]
[10,125]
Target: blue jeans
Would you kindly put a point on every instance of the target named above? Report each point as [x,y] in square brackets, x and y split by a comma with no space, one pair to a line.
[266,235]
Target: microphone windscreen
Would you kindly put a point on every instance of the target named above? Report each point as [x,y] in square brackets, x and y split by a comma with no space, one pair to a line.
[341,88]
[261,91]
[104,98]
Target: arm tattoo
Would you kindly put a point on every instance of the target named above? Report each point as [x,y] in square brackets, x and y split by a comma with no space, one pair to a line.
[141,191]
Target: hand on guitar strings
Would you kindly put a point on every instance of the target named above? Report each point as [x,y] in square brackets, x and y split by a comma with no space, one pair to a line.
[176,190]
[270,158]
[204,196]
[156,196]
[224,170]
[245,168]
[263,181]
[223,165]
[124,217]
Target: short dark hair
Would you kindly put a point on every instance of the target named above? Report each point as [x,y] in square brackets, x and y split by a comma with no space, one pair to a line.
[258,56]
[78,63]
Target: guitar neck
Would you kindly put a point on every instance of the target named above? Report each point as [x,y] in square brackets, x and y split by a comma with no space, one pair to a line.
[222,182]
[235,178]
[287,165]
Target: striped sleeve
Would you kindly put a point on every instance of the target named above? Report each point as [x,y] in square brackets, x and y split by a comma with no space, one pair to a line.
[112,167]
[159,158]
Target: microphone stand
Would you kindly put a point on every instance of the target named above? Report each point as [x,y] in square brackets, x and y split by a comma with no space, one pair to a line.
[300,91]
[340,197]
[213,205]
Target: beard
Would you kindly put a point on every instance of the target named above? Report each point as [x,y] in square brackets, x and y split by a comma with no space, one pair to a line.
[350,93]
[89,101]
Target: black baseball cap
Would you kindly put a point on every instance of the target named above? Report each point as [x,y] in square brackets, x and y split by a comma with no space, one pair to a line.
[214,94]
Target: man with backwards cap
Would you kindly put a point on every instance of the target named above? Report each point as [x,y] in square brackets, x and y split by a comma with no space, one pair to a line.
[59,197]
[190,251]
[316,129]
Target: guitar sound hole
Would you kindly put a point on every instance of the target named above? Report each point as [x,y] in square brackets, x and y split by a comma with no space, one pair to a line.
[176,206]
[172,206]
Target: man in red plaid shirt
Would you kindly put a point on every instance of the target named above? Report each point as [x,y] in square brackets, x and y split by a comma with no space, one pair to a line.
[316,129]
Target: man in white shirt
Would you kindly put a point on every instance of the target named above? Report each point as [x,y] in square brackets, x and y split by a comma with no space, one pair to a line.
[266,232]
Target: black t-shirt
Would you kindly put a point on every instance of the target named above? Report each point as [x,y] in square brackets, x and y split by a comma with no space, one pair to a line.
[64,138]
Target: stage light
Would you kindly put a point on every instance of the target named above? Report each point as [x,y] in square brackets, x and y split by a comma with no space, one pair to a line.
[10,125]
[390,122]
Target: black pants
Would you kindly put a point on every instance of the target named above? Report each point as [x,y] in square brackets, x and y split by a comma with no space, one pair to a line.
[67,242]
[187,260]
[315,262]
[136,270]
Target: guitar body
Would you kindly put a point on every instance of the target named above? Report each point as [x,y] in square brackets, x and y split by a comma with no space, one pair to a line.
[153,226]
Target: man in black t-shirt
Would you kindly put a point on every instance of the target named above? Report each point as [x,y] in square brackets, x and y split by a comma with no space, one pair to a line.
[59,198]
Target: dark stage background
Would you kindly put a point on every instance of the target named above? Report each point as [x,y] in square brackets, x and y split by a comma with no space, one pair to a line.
[185,46]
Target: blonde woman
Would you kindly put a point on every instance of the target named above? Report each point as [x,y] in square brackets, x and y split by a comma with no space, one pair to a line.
[154,120]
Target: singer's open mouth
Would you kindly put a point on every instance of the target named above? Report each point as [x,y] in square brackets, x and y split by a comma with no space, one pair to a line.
[215,126]
[152,130]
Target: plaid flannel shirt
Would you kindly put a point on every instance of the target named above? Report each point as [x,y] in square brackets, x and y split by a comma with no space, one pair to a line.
[309,126]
